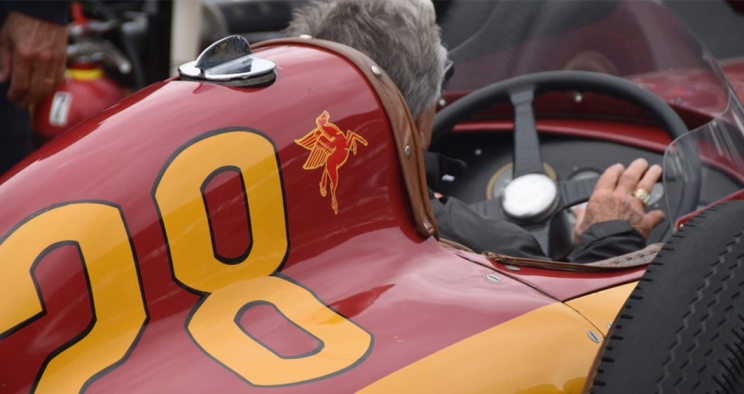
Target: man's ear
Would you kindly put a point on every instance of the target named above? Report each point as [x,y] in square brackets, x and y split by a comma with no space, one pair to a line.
[425,125]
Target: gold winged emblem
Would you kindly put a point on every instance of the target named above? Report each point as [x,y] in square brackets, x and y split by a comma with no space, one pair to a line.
[329,148]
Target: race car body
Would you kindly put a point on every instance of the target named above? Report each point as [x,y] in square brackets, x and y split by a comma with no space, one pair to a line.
[273,233]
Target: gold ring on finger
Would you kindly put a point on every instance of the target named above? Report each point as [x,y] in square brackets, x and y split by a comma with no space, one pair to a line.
[643,195]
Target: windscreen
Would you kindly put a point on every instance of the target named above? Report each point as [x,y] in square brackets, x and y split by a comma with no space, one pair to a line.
[641,41]
[705,165]
[505,39]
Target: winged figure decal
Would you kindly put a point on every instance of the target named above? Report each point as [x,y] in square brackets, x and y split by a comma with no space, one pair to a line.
[329,148]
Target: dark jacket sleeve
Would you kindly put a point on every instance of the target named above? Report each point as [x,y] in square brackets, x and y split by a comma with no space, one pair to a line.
[459,222]
[52,11]
[606,240]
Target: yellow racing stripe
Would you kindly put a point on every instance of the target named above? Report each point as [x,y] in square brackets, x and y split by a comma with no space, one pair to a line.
[602,307]
[546,351]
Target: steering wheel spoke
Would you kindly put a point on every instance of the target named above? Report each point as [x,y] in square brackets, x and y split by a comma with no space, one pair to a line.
[576,192]
[541,232]
[527,158]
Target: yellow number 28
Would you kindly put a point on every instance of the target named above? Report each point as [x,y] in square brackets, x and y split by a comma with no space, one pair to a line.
[99,231]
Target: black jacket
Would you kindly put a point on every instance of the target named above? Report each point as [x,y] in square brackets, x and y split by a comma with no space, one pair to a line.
[52,11]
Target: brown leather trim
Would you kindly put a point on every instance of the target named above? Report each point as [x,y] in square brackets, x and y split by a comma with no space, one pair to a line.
[449,244]
[407,138]
[630,260]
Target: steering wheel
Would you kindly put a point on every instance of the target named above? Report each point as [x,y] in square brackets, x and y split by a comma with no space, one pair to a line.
[532,199]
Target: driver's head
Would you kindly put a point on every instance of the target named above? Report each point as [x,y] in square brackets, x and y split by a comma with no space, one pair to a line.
[401,36]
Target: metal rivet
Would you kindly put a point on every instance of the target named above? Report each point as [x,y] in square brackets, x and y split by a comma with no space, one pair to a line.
[578,97]
[306,36]
[376,70]
[408,150]
[442,102]
[493,278]
[593,337]
[512,268]
[609,325]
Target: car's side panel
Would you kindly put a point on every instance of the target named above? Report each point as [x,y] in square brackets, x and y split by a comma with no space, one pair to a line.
[510,358]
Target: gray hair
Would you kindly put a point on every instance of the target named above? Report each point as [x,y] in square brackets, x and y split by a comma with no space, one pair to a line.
[401,36]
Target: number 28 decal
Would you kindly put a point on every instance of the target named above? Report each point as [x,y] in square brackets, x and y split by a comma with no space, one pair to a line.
[99,231]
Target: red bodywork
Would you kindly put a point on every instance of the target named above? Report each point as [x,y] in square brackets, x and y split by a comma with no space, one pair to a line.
[366,262]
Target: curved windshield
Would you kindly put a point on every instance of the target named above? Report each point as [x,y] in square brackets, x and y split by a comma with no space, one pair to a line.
[622,38]
[638,40]
[706,165]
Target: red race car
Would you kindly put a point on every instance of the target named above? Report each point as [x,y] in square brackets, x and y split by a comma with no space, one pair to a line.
[262,222]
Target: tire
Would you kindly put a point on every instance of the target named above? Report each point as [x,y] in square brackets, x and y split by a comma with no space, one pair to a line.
[682,328]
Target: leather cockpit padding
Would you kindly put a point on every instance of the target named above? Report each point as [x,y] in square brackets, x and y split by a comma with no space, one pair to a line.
[630,260]
[401,122]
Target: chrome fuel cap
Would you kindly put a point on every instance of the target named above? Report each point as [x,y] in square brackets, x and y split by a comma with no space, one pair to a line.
[530,197]
[230,62]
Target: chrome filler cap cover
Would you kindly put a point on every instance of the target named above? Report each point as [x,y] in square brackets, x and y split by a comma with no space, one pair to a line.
[230,62]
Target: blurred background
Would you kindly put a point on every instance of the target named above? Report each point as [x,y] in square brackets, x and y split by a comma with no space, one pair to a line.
[118,47]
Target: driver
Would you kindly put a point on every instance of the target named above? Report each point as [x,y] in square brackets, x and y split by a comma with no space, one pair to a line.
[403,38]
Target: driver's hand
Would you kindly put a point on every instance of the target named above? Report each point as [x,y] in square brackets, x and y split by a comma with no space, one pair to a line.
[613,199]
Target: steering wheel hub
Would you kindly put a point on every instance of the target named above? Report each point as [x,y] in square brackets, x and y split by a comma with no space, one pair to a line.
[530,197]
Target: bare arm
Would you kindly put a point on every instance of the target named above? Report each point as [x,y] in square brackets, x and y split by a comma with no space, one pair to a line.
[32,57]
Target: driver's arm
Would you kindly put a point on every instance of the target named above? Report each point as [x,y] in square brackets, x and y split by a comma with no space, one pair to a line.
[615,221]
[460,223]
[606,240]
[613,224]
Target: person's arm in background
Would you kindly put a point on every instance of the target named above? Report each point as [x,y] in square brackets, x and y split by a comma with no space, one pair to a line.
[33,49]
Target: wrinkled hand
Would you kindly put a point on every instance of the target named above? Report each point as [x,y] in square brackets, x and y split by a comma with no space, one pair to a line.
[32,57]
[613,199]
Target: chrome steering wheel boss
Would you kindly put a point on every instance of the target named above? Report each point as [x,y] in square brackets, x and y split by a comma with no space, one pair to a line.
[530,198]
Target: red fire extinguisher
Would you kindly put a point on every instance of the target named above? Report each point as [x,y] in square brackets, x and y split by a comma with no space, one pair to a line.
[87,89]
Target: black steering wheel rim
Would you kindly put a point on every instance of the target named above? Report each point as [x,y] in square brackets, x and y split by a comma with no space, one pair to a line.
[549,81]
[582,81]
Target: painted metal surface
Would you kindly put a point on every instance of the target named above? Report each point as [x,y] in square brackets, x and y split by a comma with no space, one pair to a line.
[601,308]
[175,243]
[560,285]
[553,338]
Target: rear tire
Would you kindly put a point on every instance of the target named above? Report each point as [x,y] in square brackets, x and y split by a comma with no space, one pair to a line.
[682,328]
